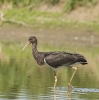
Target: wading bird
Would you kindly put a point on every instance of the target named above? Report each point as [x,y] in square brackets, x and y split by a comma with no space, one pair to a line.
[56,59]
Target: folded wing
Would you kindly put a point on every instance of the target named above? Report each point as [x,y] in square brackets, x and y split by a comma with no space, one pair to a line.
[60,59]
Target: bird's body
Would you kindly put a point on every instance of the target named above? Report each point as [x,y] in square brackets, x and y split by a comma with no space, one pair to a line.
[56,59]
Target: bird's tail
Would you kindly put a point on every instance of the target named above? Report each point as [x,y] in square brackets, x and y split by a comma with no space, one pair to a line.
[82,60]
[84,63]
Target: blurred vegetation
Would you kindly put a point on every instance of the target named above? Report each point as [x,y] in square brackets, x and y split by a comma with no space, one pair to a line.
[69,5]
[27,11]
[45,19]
[72,4]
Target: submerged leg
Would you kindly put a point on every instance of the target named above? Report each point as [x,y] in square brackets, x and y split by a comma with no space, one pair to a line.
[55,82]
[69,84]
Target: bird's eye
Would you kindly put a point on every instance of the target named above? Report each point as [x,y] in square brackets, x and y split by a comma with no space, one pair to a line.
[30,39]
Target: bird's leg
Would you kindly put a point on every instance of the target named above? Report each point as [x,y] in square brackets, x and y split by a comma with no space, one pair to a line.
[69,84]
[55,82]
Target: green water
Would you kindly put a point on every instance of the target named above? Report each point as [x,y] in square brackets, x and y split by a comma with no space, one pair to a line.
[22,79]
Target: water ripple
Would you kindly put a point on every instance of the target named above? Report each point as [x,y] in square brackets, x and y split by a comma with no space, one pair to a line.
[85,90]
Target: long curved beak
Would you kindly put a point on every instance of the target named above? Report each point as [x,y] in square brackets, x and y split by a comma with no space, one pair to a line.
[25,46]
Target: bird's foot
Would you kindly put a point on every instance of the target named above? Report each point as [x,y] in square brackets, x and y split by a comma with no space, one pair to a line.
[69,88]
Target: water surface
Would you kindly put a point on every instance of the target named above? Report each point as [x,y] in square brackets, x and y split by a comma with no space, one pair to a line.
[24,81]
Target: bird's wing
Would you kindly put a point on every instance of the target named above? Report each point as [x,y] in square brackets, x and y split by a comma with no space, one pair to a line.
[60,59]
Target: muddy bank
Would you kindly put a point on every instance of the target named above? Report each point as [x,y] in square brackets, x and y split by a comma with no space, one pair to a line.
[56,36]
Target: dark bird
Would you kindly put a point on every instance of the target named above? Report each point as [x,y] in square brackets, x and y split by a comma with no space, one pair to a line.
[56,59]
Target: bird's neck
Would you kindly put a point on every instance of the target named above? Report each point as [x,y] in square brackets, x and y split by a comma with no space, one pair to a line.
[38,56]
[34,48]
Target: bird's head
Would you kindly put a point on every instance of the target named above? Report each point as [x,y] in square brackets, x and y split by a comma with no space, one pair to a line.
[32,40]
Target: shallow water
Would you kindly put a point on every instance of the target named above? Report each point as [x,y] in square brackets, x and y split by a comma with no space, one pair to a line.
[18,82]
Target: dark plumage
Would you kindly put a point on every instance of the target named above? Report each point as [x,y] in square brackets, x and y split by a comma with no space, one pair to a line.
[55,59]
[64,59]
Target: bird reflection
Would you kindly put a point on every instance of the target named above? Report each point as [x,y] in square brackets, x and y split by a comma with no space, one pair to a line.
[54,96]
[69,93]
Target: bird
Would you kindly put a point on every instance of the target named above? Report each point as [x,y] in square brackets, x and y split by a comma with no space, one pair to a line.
[56,59]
